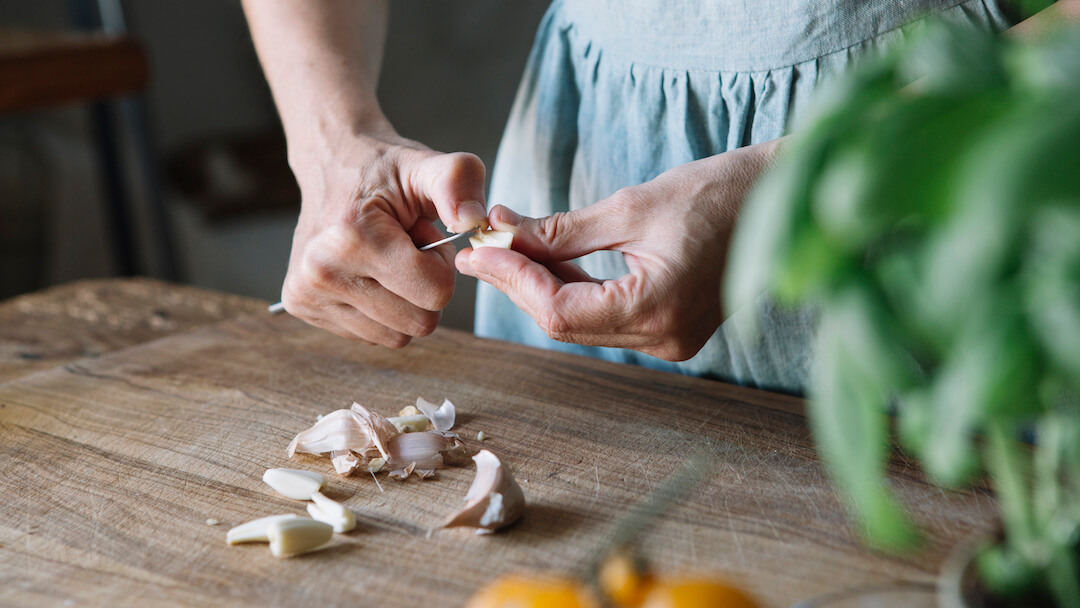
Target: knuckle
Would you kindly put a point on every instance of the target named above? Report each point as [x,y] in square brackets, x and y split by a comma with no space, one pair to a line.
[555,325]
[397,341]
[465,167]
[426,324]
[319,270]
[441,291]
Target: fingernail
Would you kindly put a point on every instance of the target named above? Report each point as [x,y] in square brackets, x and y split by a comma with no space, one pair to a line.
[471,214]
[508,218]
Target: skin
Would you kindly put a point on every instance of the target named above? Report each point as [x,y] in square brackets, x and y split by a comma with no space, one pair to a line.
[369,197]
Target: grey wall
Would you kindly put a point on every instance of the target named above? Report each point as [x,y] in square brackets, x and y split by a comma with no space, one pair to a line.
[450,72]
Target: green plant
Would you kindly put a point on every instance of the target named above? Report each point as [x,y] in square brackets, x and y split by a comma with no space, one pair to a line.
[936,226]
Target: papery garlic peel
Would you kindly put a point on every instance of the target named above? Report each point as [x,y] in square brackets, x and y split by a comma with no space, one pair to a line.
[355,429]
[294,483]
[442,416]
[494,499]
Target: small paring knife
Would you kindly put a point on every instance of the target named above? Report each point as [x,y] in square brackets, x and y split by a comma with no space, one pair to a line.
[278,308]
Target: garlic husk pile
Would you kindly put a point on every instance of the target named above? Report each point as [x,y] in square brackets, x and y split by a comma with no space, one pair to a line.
[355,429]
[360,440]
[494,499]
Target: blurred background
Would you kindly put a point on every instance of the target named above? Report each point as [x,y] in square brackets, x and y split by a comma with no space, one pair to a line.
[185,178]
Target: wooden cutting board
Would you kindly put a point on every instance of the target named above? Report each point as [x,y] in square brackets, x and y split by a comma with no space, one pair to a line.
[110,468]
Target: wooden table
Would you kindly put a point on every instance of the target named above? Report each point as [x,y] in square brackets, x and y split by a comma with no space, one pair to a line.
[42,68]
[120,439]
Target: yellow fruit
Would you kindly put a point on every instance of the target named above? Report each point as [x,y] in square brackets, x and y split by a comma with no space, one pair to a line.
[519,591]
[623,581]
[685,592]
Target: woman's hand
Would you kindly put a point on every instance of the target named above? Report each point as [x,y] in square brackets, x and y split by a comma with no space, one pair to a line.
[368,202]
[673,232]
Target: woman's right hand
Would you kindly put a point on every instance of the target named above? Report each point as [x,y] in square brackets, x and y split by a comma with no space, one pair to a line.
[368,202]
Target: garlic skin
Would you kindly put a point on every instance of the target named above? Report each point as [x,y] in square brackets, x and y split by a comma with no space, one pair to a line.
[492,238]
[294,483]
[289,537]
[442,416]
[331,512]
[254,531]
[355,429]
[493,501]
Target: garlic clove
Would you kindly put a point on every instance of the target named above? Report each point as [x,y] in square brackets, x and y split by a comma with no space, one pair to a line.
[408,410]
[492,238]
[423,449]
[493,501]
[254,531]
[442,416]
[331,512]
[294,483]
[410,424]
[289,537]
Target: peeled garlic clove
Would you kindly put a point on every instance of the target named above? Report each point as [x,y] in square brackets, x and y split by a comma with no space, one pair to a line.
[494,500]
[289,537]
[408,410]
[331,512]
[294,483]
[492,238]
[409,424]
[254,531]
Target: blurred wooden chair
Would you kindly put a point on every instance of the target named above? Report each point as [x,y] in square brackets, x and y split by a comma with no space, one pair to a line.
[95,63]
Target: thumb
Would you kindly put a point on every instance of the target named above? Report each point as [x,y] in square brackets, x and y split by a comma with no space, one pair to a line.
[562,236]
[454,183]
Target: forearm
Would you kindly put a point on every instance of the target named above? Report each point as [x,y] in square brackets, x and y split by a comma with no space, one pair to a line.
[322,60]
[1047,19]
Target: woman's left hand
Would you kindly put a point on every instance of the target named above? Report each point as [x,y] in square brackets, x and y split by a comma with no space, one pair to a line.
[673,233]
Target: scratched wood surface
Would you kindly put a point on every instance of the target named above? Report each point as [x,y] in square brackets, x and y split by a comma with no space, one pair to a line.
[89,318]
[111,466]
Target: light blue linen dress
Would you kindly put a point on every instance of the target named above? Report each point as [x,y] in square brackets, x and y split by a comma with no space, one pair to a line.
[615,93]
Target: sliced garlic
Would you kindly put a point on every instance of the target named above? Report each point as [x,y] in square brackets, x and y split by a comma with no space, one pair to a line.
[331,512]
[298,535]
[442,416]
[410,424]
[254,531]
[493,501]
[294,483]
[492,238]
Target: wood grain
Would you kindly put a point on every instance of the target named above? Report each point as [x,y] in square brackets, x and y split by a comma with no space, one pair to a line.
[111,466]
[90,318]
[40,68]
